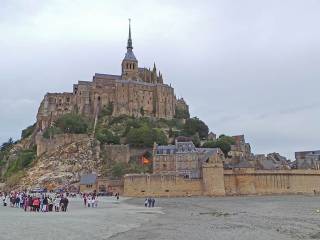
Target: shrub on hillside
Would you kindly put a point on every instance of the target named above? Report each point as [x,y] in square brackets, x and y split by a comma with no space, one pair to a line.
[107,110]
[195,125]
[72,123]
[51,131]
[182,113]
[23,160]
[223,142]
[28,131]
[145,136]
[106,136]
[6,146]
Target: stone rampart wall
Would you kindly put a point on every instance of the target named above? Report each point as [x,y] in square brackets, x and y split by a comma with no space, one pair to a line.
[116,153]
[236,182]
[49,146]
[247,182]
[144,185]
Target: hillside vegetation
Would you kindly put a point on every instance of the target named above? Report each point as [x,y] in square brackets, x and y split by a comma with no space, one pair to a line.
[16,158]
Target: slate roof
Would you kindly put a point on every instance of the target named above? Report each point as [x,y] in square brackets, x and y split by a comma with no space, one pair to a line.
[88,179]
[107,76]
[242,164]
[130,56]
[185,147]
[268,164]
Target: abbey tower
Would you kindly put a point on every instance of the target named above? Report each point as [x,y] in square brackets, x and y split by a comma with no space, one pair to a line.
[136,92]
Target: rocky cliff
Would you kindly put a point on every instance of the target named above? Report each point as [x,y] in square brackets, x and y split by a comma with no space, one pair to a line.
[64,165]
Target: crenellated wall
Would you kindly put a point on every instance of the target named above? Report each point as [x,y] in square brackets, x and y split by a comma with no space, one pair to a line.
[49,146]
[144,185]
[219,182]
[250,181]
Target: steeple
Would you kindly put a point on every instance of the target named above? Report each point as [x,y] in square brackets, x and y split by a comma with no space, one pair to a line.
[129,54]
[129,63]
[129,45]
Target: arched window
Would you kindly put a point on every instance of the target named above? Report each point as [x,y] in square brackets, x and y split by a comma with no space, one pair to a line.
[132,66]
[127,65]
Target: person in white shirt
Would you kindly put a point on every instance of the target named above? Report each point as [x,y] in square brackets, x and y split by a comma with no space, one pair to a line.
[96,202]
[57,204]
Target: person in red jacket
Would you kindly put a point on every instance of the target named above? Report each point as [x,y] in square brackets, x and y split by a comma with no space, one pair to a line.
[36,204]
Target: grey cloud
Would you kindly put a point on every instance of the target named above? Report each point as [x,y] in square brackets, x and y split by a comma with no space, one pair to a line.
[247,67]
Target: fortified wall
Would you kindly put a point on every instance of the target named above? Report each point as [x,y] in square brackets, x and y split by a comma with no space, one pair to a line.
[219,182]
[50,145]
[250,181]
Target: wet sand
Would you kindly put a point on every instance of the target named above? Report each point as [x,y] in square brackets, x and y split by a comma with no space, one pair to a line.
[257,217]
[79,223]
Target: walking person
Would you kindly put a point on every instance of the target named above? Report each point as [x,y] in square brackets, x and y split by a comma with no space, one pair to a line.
[85,199]
[89,201]
[66,203]
[62,204]
[36,204]
[17,201]
[56,204]
[4,200]
[95,203]
[21,200]
[45,204]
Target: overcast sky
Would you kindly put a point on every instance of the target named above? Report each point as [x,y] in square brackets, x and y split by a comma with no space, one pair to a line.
[244,67]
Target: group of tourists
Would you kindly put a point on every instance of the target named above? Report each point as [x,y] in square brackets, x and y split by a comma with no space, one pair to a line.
[90,200]
[149,202]
[36,202]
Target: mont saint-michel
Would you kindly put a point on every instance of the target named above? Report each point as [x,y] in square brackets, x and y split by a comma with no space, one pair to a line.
[129,133]
[193,121]
[137,92]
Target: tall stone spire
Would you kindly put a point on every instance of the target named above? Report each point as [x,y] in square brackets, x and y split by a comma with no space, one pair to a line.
[129,45]
[130,55]
[129,63]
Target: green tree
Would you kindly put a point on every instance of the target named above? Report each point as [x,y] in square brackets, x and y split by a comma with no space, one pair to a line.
[146,136]
[223,142]
[142,111]
[195,125]
[182,113]
[107,110]
[6,146]
[28,131]
[51,131]
[106,136]
[196,140]
[23,160]
[118,169]
[72,123]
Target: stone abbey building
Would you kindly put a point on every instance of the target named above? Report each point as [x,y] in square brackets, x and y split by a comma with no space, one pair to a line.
[136,92]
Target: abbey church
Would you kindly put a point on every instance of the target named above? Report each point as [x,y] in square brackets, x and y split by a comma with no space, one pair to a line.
[136,92]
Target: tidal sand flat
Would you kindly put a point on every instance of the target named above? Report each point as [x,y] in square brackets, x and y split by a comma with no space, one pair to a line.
[79,223]
[255,217]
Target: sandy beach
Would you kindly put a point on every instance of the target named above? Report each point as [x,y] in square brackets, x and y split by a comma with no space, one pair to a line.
[79,223]
[239,218]
[256,217]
